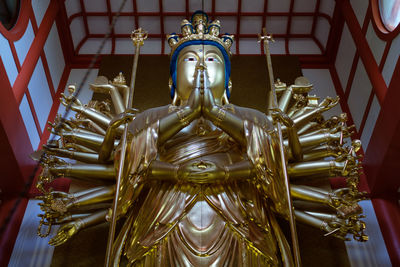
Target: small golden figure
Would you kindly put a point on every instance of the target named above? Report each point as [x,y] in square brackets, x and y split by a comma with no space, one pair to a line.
[202,183]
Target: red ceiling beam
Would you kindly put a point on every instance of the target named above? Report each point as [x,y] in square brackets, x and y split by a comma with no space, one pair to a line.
[84,15]
[64,32]
[315,18]
[110,19]
[217,14]
[264,22]
[135,14]
[160,4]
[288,26]
[238,17]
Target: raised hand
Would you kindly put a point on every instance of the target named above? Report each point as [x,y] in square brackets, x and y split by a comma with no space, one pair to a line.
[123,117]
[278,115]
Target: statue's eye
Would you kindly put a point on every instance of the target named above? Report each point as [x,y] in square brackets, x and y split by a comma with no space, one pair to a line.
[190,59]
[210,59]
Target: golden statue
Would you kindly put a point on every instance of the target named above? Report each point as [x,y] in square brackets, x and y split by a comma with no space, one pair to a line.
[202,182]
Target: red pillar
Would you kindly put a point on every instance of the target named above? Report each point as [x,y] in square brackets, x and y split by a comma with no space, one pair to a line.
[15,165]
[382,167]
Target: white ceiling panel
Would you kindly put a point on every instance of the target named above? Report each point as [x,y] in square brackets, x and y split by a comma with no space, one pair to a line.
[124,24]
[204,5]
[172,24]
[233,48]
[359,94]
[167,49]
[304,5]
[279,6]
[151,46]
[174,5]
[277,47]
[301,25]
[226,5]
[98,25]
[72,7]
[253,6]
[93,44]
[276,25]
[77,28]
[327,7]
[116,4]
[249,46]
[322,30]
[250,24]
[150,24]
[228,24]
[124,46]
[147,6]
[95,6]
[303,46]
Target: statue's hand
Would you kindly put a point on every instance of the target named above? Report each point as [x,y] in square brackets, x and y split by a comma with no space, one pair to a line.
[71,100]
[208,104]
[328,103]
[201,172]
[278,115]
[65,232]
[337,228]
[194,103]
[123,117]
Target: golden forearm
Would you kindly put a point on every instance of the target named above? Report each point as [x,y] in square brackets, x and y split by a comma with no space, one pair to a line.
[103,194]
[320,152]
[95,218]
[174,122]
[285,99]
[240,170]
[91,140]
[85,171]
[307,194]
[160,170]
[229,123]
[311,168]
[80,156]
[303,217]
[97,117]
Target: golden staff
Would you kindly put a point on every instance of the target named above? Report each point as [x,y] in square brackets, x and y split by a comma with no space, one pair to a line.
[138,36]
[274,101]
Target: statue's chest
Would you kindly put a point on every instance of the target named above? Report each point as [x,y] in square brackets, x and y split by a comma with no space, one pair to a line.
[214,146]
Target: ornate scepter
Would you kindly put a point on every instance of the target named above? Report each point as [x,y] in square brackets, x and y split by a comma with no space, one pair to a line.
[138,36]
[274,101]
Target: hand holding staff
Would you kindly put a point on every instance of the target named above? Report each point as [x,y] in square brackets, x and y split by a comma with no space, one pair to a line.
[138,36]
[273,102]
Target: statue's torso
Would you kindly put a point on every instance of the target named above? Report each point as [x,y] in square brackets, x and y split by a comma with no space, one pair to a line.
[200,223]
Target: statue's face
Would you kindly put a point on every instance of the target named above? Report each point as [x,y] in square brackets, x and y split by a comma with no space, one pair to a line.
[193,56]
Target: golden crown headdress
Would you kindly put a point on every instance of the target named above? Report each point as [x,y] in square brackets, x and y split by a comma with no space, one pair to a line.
[200,28]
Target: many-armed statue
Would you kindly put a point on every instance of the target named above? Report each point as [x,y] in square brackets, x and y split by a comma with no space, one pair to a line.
[202,182]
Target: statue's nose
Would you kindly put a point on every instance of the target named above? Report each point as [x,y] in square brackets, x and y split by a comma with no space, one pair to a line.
[200,65]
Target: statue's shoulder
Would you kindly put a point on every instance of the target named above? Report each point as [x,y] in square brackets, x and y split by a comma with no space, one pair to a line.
[251,115]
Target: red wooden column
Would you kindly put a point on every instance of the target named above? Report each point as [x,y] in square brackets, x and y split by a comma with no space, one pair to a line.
[15,165]
[382,167]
